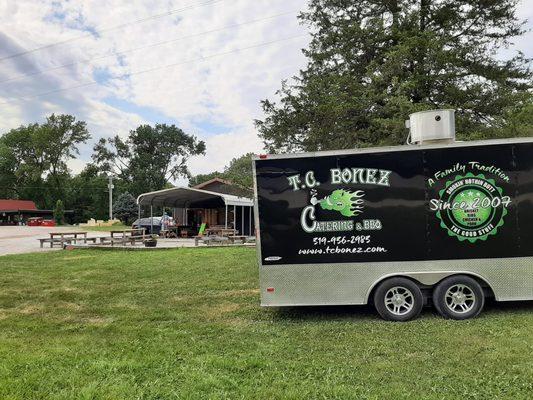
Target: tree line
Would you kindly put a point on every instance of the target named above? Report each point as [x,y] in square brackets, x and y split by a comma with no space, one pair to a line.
[372,63]
[34,165]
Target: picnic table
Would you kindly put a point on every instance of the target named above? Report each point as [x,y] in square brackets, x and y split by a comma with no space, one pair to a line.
[237,238]
[124,236]
[171,231]
[220,231]
[66,237]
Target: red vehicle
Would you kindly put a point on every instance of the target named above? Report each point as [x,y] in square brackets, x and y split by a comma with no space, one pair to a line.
[34,221]
[48,222]
[39,221]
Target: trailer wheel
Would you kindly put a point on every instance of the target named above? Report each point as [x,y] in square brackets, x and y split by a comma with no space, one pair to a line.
[398,299]
[458,297]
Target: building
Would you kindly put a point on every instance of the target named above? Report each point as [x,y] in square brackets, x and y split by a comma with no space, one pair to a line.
[216,203]
[13,212]
[220,185]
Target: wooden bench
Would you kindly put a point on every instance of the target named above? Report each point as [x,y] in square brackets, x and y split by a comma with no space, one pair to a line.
[235,238]
[123,237]
[123,240]
[64,240]
[208,240]
[54,241]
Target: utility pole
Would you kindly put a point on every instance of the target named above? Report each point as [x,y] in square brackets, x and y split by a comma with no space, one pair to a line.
[110,187]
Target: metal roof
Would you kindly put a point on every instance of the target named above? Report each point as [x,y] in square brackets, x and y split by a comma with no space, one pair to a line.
[15,205]
[186,197]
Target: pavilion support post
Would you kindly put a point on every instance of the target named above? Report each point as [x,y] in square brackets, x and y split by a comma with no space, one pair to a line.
[234,217]
[151,219]
[250,221]
[242,220]
[226,219]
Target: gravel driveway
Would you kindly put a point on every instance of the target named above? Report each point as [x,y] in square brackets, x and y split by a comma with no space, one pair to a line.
[23,239]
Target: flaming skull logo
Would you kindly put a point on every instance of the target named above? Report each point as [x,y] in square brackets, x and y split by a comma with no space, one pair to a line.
[345,202]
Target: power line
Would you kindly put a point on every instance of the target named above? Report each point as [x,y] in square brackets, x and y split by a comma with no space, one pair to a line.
[103,186]
[157,68]
[102,56]
[111,28]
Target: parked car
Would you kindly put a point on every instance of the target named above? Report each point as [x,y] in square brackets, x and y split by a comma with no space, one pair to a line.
[148,224]
[40,221]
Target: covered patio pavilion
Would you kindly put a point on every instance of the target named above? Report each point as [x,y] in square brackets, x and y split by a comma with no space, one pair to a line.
[192,207]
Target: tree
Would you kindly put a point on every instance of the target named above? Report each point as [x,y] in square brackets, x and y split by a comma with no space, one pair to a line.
[59,213]
[8,169]
[33,158]
[201,178]
[60,137]
[519,120]
[149,158]
[238,172]
[371,63]
[125,208]
[87,194]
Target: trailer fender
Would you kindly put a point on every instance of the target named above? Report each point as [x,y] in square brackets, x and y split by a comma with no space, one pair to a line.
[429,278]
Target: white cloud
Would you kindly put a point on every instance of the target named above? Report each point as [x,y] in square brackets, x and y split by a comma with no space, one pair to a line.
[216,99]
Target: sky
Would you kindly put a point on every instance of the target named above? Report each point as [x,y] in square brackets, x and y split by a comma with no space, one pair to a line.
[203,65]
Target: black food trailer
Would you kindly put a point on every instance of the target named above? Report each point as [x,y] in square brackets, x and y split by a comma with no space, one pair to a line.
[449,224]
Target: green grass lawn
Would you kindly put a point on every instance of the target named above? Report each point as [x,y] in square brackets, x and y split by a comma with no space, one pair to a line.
[186,324]
[105,228]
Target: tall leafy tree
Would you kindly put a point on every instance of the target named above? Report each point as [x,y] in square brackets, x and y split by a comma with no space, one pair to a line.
[372,62]
[150,157]
[238,172]
[59,137]
[88,194]
[33,158]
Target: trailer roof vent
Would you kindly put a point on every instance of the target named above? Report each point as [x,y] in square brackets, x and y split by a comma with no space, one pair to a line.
[435,126]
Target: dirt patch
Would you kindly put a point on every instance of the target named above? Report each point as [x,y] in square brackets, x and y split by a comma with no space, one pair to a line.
[69,306]
[218,311]
[238,322]
[184,298]
[29,309]
[98,320]
[92,321]
[238,292]
[125,305]
[70,290]
[63,294]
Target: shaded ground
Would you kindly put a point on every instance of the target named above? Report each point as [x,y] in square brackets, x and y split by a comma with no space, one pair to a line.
[186,324]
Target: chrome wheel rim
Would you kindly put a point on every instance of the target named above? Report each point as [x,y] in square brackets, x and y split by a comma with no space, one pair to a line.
[460,298]
[399,300]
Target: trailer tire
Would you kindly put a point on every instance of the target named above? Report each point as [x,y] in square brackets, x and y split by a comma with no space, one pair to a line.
[398,299]
[458,297]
